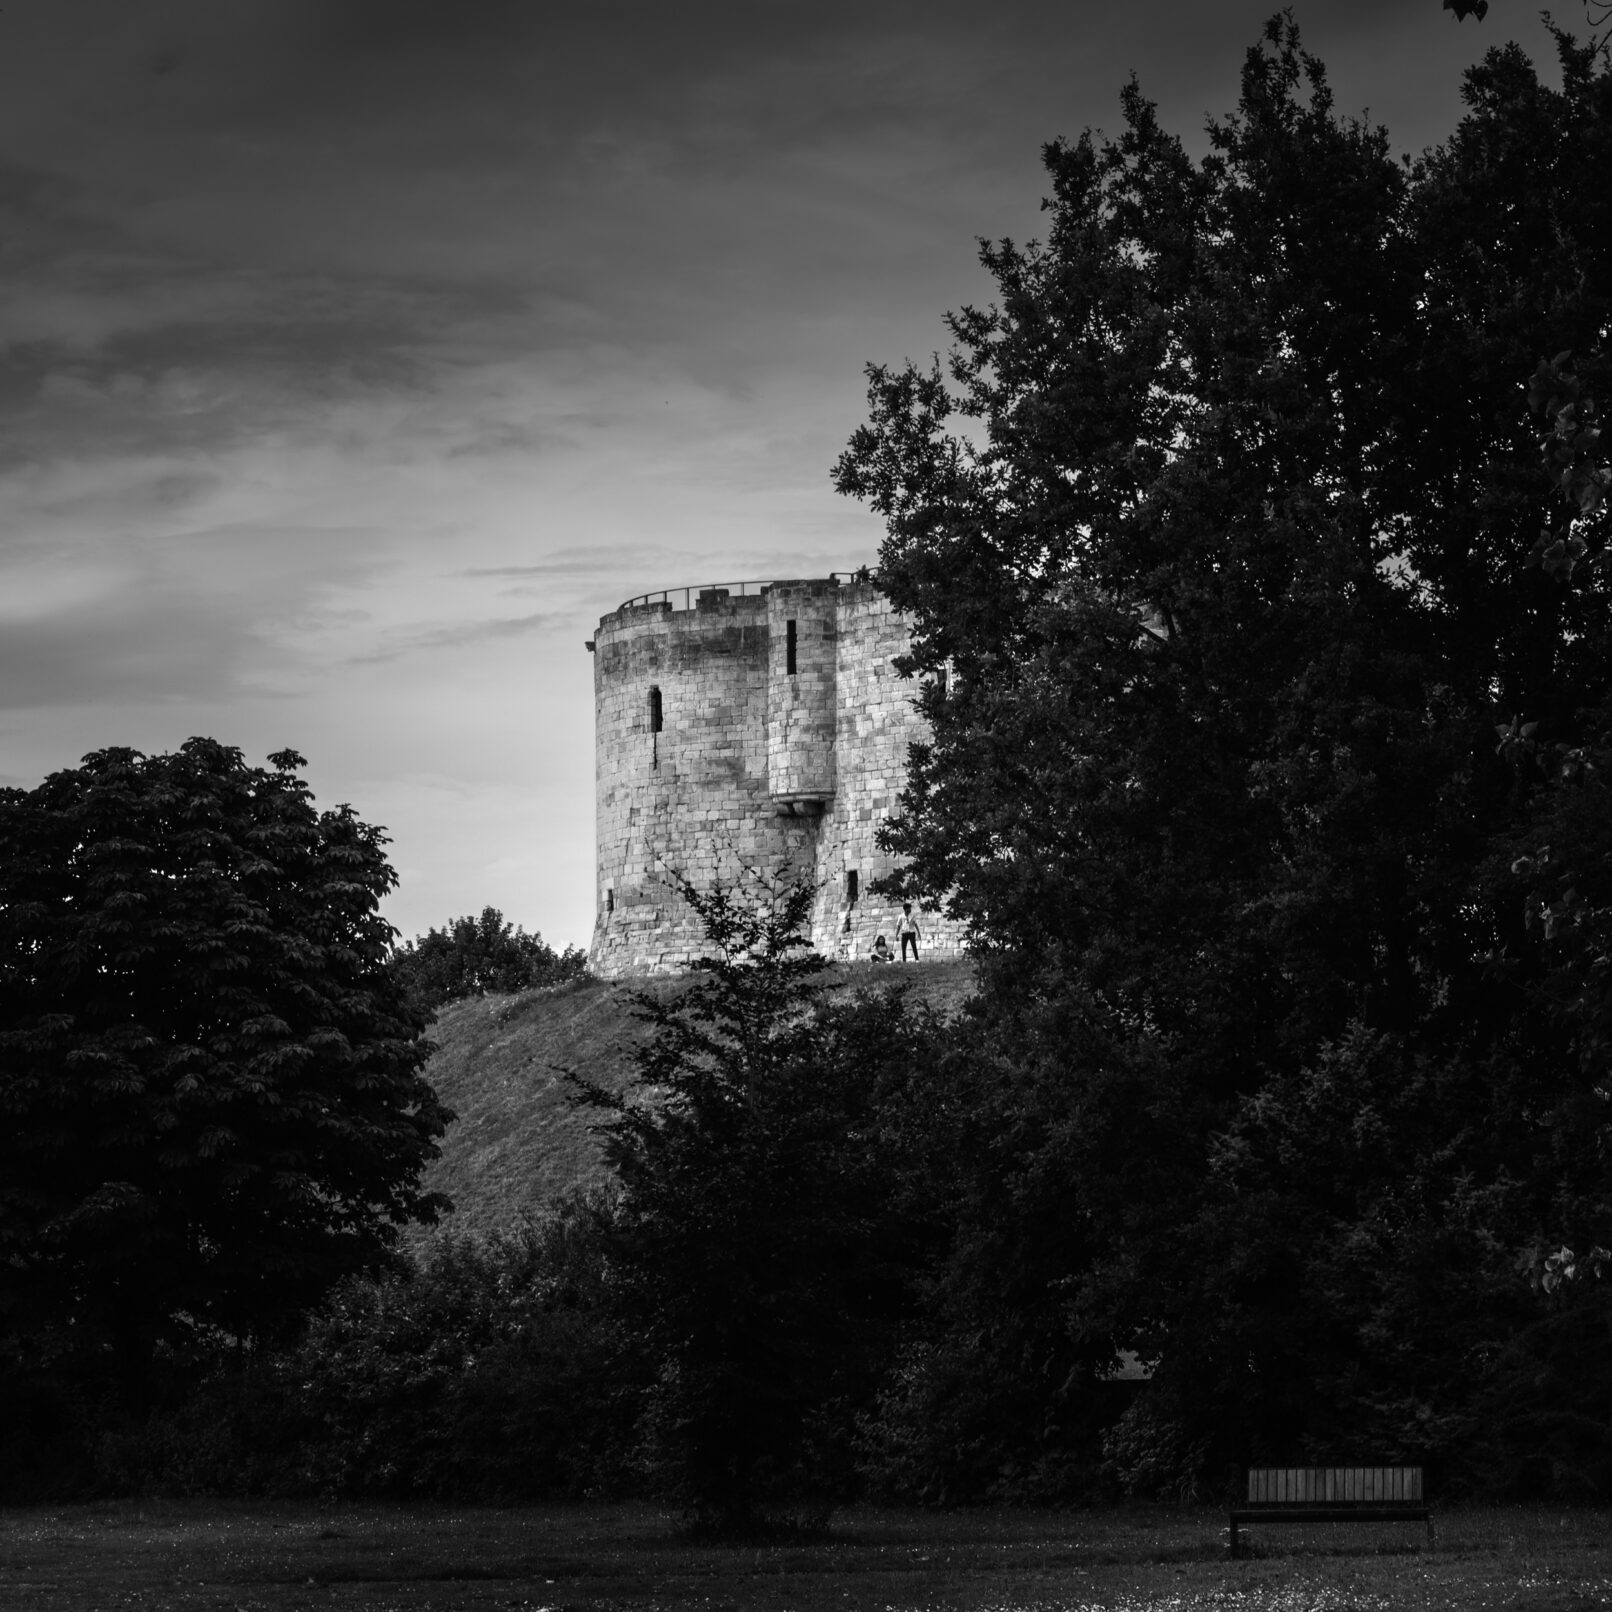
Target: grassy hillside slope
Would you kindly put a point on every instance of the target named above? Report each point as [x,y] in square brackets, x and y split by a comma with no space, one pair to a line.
[519,1139]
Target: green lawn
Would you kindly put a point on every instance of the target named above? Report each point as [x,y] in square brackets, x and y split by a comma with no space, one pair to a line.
[270,1558]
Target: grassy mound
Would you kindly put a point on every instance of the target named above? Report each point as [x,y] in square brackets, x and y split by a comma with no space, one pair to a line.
[519,1139]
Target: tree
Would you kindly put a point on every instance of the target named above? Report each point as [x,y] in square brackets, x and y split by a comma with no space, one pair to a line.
[761,1247]
[1226,578]
[1596,12]
[472,956]
[211,1105]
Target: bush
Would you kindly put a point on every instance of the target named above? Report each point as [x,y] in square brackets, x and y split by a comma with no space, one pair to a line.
[481,1372]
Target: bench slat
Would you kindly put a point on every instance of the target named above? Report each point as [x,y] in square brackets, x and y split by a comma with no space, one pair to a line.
[1334,1485]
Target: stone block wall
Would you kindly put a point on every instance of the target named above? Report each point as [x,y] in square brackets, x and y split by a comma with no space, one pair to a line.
[802,625]
[753,771]
[875,723]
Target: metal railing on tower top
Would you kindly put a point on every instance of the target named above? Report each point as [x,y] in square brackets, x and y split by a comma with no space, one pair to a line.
[739,590]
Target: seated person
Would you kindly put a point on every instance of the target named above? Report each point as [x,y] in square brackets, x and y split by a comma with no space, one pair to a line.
[882,952]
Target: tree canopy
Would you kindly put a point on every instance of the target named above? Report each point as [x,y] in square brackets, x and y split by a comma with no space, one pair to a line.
[211,1104]
[472,956]
[1267,771]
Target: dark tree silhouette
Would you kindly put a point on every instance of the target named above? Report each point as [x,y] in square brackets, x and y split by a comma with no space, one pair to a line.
[1270,776]
[210,1096]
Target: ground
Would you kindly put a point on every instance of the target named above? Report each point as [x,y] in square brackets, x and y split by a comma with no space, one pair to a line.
[212,1557]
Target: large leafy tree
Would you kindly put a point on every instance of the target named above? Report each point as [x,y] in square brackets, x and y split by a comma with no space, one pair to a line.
[1215,533]
[211,1104]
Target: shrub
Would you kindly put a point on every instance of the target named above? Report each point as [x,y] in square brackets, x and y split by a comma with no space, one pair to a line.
[480,1371]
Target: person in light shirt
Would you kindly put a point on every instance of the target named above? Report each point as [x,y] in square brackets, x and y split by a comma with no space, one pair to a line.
[908,932]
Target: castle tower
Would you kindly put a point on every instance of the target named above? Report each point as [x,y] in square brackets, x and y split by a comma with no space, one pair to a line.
[752,728]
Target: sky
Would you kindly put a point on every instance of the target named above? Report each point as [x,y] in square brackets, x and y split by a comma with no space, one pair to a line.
[357,355]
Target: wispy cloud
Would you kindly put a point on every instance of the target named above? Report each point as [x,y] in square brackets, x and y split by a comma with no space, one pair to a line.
[607,558]
[459,635]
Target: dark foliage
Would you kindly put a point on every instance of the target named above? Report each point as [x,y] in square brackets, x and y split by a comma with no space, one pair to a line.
[1296,984]
[765,1249]
[990,1395]
[480,1372]
[210,1101]
[473,956]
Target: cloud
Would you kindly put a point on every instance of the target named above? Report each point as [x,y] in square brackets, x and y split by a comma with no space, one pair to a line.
[593,561]
[460,634]
[163,645]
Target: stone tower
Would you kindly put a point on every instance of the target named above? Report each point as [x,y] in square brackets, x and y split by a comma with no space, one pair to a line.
[758,727]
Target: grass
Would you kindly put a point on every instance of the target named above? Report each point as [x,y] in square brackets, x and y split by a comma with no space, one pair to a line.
[519,1140]
[197,1557]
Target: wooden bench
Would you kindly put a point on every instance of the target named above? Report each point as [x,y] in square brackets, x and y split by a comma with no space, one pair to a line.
[1332,1494]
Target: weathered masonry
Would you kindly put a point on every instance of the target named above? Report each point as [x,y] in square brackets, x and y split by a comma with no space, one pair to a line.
[758,726]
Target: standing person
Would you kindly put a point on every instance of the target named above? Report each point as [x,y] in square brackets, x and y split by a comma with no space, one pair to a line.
[908,932]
